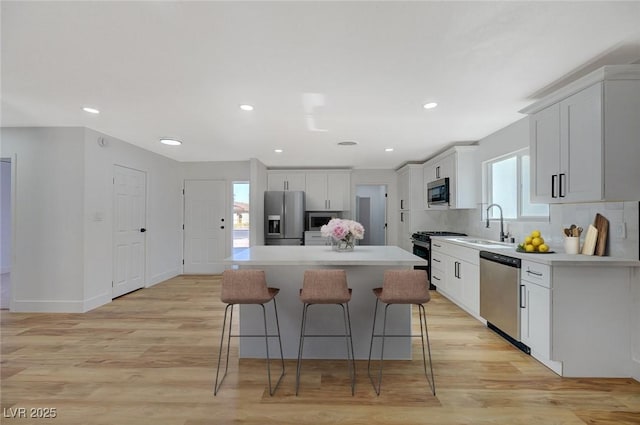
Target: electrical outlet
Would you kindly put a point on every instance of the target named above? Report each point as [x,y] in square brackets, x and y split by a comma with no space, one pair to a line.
[621,230]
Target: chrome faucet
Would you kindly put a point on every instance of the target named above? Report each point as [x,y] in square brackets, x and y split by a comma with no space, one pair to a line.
[502,235]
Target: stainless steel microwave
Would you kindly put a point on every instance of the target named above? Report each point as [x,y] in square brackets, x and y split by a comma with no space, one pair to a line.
[315,220]
[438,192]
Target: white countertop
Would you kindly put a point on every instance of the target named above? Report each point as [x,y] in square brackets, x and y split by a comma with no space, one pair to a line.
[552,259]
[362,255]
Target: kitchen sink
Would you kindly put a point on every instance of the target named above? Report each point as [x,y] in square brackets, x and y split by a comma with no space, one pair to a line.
[484,242]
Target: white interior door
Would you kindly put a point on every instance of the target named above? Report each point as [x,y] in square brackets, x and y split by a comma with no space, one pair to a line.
[205,226]
[129,194]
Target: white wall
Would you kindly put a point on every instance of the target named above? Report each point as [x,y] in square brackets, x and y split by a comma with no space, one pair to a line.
[5,215]
[63,249]
[380,177]
[164,213]
[258,186]
[49,257]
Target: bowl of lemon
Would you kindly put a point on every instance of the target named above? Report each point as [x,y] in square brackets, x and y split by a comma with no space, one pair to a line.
[534,244]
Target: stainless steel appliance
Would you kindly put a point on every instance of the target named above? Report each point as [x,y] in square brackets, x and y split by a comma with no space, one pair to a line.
[500,295]
[315,220]
[438,192]
[284,217]
[422,248]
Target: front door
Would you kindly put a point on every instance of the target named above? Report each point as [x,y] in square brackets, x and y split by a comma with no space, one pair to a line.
[205,226]
[129,217]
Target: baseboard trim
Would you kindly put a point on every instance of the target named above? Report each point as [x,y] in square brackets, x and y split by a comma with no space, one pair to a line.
[97,301]
[46,306]
[154,280]
[635,370]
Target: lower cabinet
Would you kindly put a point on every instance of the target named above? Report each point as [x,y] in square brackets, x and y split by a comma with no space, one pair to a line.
[455,271]
[535,318]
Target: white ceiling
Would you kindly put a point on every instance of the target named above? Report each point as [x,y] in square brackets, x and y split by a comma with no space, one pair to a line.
[317,72]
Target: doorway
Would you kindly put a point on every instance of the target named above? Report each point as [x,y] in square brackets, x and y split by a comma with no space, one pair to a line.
[5,232]
[371,212]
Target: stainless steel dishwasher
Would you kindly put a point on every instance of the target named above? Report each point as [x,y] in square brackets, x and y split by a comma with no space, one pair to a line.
[500,295]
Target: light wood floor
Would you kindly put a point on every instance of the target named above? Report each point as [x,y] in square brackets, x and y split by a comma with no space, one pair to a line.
[149,358]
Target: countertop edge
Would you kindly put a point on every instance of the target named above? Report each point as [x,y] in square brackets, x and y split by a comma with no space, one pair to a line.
[555,259]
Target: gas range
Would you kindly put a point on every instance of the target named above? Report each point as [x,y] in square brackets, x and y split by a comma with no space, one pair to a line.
[425,235]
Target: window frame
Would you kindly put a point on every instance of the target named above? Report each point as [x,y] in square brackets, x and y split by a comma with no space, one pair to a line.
[487,188]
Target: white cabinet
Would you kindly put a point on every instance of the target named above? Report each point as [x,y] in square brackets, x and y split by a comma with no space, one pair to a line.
[281,180]
[583,139]
[328,191]
[535,309]
[406,230]
[411,187]
[462,169]
[455,271]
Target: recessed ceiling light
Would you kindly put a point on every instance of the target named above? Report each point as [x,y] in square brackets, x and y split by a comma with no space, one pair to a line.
[170,142]
[347,143]
[430,105]
[90,110]
[388,149]
[246,107]
[278,150]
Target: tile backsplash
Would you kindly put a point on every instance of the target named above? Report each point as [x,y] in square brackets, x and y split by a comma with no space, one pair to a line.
[623,240]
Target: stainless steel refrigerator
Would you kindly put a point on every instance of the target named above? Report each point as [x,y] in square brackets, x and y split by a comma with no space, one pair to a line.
[284,217]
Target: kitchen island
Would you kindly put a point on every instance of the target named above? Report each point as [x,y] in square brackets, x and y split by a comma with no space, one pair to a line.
[284,267]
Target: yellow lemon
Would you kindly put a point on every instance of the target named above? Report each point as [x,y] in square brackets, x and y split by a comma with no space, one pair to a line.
[543,248]
[528,240]
[535,234]
[529,248]
[537,241]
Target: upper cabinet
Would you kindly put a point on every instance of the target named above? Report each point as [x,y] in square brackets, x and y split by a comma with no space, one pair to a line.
[286,180]
[459,165]
[410,187]
[584,139]
[328,191]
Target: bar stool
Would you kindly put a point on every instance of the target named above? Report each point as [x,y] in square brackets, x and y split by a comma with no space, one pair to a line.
[247,287]
[402,287]
[327,287]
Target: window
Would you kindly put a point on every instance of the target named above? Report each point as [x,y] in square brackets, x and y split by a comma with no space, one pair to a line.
[240,215]
[507,184]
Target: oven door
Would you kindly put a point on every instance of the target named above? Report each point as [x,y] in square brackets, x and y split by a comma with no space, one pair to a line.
[438,192]
[420,251]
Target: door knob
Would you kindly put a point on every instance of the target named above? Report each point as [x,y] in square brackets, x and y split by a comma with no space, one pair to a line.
[143,230]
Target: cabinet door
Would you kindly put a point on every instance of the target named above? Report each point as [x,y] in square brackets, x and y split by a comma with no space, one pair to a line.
[296,181]
[338,191]
[439,271]
[404,189]
[454,283]
[580,173]
[276,181]
[405,231]
[469,274]
[545,155]
[535,318]
[446,167]
[316,191]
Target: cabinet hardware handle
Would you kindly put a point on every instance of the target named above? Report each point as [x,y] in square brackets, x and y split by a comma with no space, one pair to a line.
[401,217]
[438,172]
[435,277]
[553,186]
[522,297]
[329,203]
[560,192]
[534,273]
[436,260]
[401,204]
[437,246]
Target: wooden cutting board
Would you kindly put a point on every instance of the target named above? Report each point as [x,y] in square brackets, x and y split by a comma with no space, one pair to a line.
[590,239]
[602,224]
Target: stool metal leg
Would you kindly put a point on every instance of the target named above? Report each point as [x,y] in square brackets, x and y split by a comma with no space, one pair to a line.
[266,340]
[301,344]
[351,365]
[432,382]
[373,330]
[216,387]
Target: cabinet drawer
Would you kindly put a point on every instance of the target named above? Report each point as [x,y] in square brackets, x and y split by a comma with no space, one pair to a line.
[437,260]
[462,253]
[536,273]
